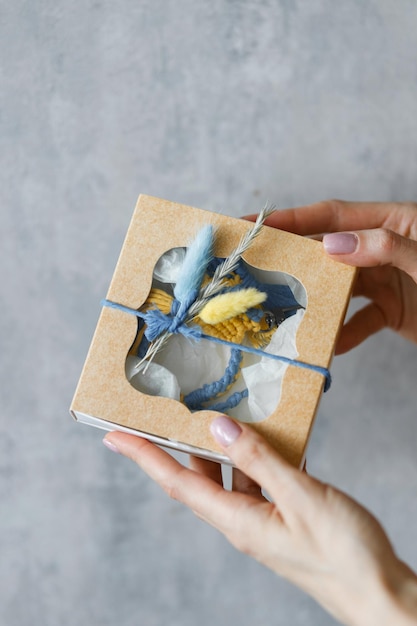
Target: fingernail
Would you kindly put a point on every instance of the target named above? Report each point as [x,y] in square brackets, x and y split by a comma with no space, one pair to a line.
[111,446]
[225,431]
[340,243]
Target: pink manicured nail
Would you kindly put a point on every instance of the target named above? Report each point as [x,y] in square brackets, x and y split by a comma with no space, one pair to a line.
[111,446]
[225,431]
[340,243]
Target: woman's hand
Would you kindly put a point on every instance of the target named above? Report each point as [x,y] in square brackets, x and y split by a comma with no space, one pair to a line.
[312,534]
[381,239]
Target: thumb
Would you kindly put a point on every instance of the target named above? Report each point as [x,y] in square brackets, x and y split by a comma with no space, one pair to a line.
[370,248]
[255,457]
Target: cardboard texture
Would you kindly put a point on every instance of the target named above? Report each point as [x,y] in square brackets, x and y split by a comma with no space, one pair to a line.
[105,398]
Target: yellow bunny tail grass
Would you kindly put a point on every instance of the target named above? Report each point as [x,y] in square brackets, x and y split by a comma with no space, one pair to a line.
[231,304]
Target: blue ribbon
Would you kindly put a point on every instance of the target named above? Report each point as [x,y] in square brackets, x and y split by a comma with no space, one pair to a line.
[157,322]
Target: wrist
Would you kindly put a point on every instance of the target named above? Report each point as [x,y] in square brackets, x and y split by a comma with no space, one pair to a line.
[394,600]
[381,597]
[402,596]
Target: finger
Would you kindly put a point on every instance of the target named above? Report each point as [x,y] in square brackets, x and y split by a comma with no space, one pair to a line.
[162,467]
[370,248]
[257,459]
[201,494]
[244,484]
[211,469]
[334,215]
[381,284]
[362,324]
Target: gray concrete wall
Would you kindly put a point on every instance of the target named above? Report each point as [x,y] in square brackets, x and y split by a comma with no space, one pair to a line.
[220,105]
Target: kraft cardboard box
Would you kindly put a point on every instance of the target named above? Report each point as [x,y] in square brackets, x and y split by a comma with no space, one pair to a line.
[281,374]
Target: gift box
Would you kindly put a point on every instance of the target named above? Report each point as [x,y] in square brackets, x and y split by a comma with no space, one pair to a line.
[208,314]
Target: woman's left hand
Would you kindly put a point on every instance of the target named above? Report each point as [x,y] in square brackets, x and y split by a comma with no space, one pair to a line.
[310,533]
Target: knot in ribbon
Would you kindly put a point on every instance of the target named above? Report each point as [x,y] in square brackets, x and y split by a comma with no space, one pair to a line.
[158,322]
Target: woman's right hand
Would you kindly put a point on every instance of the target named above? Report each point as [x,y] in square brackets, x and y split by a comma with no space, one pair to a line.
[308,532]
[381,239]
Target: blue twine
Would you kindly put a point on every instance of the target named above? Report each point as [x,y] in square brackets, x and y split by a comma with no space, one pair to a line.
[157,322]
[196,333]
[315,368]
[230,403]
[195,399]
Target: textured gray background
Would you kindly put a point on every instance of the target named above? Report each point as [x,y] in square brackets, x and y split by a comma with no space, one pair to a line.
[219,104]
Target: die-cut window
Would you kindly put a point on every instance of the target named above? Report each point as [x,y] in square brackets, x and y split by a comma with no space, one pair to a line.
[205,374]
